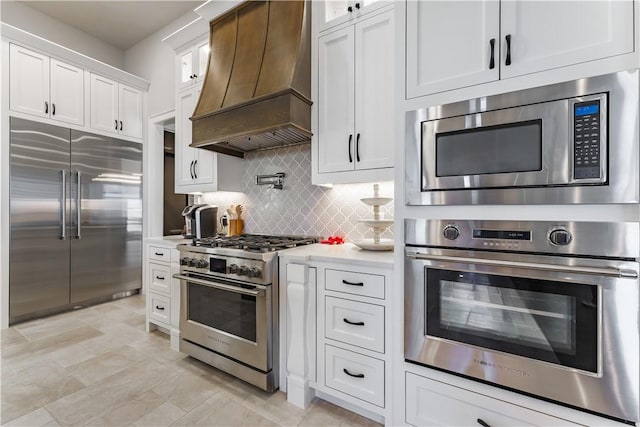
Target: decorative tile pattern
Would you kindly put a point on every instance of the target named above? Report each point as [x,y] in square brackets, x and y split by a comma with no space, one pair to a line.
[300,208]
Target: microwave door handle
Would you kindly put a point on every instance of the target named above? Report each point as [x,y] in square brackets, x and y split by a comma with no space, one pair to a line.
[593,271]
[220,286]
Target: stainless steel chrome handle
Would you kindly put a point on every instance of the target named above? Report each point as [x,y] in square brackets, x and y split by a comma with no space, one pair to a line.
[593,271]
[63,205]
[222,286]
[78,208]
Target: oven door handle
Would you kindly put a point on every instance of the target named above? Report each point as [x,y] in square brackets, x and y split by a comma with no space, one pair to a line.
[221,286]
[594,271]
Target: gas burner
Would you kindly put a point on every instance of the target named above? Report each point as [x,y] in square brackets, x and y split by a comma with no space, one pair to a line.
[256,242]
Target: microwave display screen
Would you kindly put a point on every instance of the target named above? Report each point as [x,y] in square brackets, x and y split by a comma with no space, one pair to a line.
[514,147]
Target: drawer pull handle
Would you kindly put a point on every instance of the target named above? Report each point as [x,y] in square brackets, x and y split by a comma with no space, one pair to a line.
[346,282]
[160,277]
[159,253]
[352,375]
[159,308]
[352,323]
[482,422]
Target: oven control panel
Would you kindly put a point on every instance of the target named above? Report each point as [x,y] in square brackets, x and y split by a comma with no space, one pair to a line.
[586,140]
[244,269]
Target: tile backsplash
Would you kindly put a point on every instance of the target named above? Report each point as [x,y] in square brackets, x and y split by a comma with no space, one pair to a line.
[300,208]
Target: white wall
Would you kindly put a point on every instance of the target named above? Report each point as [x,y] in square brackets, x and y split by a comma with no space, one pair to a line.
[154,60]
[30,20]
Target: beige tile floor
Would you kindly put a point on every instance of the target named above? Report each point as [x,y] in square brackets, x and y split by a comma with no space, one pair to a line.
[97,366]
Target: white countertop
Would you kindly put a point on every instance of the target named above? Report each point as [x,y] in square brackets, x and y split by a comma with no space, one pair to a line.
[172,241]
[347,252]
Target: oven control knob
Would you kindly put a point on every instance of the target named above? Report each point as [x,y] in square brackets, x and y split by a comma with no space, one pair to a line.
[243,271]
[184,261]
[255,272]
[560,237]
[203,263]
[451,232]
[193,262]
[233,269]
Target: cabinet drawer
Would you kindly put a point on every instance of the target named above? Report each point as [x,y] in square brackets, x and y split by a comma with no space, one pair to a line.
[434,403]
[355,323]
[354,374]
[368,285]
[159,307]
[159,278]
[159,254]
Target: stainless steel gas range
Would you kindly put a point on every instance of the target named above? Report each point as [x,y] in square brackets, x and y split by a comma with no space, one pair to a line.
[229,303]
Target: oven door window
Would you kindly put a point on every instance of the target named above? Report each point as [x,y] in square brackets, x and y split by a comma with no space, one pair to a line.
[225,311]
[551,321]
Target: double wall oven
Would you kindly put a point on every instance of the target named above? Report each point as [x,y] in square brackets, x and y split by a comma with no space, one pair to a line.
[549,309]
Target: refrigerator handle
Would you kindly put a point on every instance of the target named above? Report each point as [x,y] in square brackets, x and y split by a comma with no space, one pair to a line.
[78,208]
[63,206]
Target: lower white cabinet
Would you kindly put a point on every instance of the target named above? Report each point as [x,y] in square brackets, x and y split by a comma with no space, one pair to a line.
[432,403]
[336,330]
[161,262]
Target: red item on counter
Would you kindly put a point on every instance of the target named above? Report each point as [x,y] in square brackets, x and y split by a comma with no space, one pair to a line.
[333,240]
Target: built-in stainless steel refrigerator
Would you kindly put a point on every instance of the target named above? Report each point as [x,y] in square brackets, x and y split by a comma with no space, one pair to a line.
[76,219]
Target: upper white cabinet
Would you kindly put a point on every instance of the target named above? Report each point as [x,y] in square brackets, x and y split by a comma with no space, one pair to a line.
[115,107]
[191,64]
[451,45]
[332,13]
[355,83]
[572,33]
[45,87]
[200,170]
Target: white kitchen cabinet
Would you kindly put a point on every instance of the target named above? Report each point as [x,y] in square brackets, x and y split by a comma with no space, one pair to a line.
[191,64]
[573,33]
[335,12]
[355,97]
[115,107]
[45,87]
[200,170]
[449,44]
[161,262]
[432,403]
[336,327]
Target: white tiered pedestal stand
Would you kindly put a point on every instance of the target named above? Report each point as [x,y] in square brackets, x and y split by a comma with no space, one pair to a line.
[376,223]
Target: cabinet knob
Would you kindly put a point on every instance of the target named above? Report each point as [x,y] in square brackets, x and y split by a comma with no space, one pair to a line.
[349,9]
[357,5]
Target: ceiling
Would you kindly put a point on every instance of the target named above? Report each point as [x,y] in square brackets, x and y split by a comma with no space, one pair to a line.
[119,23]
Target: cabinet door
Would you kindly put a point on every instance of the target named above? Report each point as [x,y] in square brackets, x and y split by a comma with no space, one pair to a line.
[374,92]
[336,139]
[130,111]
[449,45]
[205,160]
[202,55]
[573,32]
[185,63]
[185,155]
[104,104]
[67,93]
[28,81]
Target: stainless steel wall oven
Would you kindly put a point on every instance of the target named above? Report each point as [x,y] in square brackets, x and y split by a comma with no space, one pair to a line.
[573,142]
[546,308]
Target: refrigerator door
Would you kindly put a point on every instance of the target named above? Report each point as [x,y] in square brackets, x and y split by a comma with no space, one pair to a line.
[39,246]
[106,217]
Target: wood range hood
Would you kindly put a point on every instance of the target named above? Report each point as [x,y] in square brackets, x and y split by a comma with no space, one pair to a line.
[257,90]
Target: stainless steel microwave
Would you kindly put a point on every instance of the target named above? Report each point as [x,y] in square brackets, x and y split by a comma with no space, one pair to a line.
[573,142]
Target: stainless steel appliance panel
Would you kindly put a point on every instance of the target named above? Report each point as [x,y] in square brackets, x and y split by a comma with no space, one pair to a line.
[622,129]
[106,217]
[39,246]
[612,386]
